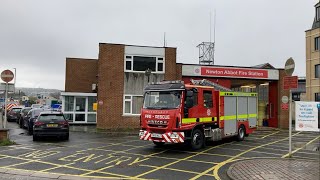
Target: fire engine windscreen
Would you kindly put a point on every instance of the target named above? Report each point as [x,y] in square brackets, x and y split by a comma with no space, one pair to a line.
[162,99]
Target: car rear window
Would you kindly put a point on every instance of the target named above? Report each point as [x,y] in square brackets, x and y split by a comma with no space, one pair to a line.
[16,110]
[51,117]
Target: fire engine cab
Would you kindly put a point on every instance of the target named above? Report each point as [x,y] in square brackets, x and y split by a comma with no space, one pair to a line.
[174,112]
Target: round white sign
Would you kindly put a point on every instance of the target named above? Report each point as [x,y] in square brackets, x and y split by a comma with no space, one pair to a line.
[285,99]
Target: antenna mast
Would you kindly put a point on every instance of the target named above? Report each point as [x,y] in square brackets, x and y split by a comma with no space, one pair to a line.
[206,49]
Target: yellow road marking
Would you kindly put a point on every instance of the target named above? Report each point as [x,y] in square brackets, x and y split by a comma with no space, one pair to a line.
[173,169]
[218,166]
[183,159]
[62,174]
[284,156]
[98,170]
[17,164]
[70,167]
[44,170]
[270,134]
[160,157]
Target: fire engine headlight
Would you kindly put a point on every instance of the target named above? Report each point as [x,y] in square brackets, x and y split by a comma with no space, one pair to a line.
[174,135]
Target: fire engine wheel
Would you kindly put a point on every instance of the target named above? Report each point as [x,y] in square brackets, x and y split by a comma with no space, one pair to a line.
[197,140]
[158,144]
[241,133]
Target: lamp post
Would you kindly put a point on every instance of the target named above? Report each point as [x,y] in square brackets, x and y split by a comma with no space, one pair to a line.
[15,76]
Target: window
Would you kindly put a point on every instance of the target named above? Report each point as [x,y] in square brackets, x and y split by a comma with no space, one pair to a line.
[68,104]
[317,71]
[142,63]
[207,99]
[317,13]
[317,97]
[132,104]
[191,100]
[92,118]
[162,99]
[91,100]
[316,43]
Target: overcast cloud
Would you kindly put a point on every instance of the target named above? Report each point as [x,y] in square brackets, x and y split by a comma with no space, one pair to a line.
[37,35]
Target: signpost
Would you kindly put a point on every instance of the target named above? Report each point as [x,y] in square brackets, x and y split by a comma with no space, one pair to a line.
[292,82]
[307,116]
[6,76]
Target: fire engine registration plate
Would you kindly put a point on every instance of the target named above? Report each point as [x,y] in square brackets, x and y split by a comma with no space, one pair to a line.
[156,135]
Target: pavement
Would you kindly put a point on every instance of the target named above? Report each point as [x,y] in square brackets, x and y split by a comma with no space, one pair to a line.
[94,155]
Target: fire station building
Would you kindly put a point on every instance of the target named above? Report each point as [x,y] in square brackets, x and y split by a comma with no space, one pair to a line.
[117,78]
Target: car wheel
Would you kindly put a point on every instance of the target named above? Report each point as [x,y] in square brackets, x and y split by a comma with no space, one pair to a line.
[30,131]
[66,137]
[20,123]
[158,144]
[197,139]
[35,138]
[241,133]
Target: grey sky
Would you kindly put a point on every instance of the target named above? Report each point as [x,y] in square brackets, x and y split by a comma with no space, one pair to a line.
[37,35]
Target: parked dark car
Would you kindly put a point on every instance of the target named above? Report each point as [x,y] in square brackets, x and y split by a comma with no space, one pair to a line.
[31,117]
[51,124]
[13,114]
[23,113]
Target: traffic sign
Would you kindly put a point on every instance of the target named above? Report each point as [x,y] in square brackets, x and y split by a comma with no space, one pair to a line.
[7,75]
[284,106]
[290,82]
[289,66]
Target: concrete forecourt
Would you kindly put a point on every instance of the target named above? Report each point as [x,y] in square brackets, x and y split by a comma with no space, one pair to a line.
[98,155]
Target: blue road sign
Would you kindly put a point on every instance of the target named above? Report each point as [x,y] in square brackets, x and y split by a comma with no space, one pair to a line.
[318,105]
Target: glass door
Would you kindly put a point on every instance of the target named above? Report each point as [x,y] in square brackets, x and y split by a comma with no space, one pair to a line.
[80,109]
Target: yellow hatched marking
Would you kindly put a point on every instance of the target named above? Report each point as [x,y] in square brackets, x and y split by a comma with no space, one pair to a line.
[218,166]
[284,156]
[186,158]
[270,134]
[173,169]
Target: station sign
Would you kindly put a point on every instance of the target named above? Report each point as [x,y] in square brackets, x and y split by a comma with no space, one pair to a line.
[231,72]
[307,116]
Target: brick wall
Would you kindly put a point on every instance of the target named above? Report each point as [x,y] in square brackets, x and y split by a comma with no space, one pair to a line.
[111,84]
[80,74]
[171,72]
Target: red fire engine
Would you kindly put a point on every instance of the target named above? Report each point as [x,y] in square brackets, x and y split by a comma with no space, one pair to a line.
[174,112]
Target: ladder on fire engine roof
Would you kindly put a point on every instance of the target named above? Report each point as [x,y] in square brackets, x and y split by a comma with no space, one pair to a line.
[205,82]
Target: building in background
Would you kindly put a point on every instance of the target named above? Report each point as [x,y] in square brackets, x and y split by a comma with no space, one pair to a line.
[299,94]
[313,58]
[80,90]
[116,80]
